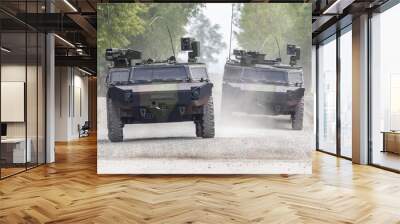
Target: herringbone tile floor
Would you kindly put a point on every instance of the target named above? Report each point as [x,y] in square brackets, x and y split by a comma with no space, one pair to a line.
[70,191]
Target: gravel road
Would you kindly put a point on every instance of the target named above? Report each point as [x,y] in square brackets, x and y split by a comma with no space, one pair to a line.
[243,138]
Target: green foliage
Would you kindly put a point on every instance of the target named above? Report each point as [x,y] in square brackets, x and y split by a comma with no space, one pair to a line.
[143,27]
[262,24]
[155,42]
[208,35]
[117,22]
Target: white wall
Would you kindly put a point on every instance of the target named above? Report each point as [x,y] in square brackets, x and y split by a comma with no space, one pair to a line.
[80,89]
[70,84]
[61,103]
[17,73]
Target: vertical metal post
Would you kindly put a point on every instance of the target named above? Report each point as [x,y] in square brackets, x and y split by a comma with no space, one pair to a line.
[45,93]
[338,91]
[50,91]
[369,79]
[360,90]
[37,89]
[26,86]
[317,96]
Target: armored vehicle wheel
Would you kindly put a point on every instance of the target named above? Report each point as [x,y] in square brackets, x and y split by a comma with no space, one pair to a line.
[114,124]
[297,116]
[199,129]
[207,125]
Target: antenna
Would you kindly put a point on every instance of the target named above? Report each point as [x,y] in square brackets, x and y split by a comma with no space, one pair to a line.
[169,32]
[109,25]
[172,43]
[230,37]
[277,44]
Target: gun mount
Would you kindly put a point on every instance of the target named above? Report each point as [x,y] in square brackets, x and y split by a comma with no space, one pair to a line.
[247,58]
[125,57]
[122,57]
[192,46]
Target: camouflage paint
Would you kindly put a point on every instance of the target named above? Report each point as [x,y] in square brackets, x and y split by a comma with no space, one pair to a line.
[154,103]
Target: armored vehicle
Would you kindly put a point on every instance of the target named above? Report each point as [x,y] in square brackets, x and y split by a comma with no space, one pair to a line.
[254,85]
[156,92]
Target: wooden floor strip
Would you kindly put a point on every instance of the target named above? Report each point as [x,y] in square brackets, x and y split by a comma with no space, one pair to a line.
[70,191]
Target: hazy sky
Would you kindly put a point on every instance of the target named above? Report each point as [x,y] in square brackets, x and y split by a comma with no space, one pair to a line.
[220,13]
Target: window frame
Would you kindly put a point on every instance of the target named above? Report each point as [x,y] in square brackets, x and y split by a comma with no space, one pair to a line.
[334,37]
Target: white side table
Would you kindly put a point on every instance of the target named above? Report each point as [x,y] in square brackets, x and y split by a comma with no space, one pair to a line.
[19,154]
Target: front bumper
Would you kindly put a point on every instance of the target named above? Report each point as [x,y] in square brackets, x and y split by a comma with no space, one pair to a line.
[160,106]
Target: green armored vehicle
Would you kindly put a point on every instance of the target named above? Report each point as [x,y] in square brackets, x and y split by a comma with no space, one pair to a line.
[155,92]
[254,85]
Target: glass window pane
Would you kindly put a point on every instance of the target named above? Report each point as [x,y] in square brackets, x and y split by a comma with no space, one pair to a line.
[385,84]
[232,73]
[121,75]
[346,93]
[198,73]
[173,73]
[13,86]
[327,96]
[23,85]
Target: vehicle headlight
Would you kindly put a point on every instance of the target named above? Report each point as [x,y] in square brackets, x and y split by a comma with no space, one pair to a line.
[195,93]
[128,96]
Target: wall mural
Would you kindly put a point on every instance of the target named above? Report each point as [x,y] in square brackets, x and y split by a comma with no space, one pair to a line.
[202,88]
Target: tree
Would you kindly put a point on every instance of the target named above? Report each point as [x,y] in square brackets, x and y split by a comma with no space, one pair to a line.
[155,42]
[117,22]
[209,36]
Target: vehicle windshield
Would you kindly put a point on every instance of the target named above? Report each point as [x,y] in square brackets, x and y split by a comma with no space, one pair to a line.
[159,74]
[232,73]
[295,77]
[118,76]
[264,75]
[198,73]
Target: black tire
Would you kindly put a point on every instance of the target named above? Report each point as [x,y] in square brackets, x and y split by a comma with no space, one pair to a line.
[207,124]
[297,116]
[199,129]
[114,124]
